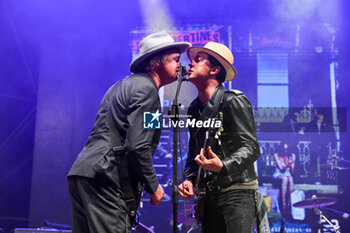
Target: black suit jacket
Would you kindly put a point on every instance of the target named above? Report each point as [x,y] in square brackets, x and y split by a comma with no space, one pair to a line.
[119,124]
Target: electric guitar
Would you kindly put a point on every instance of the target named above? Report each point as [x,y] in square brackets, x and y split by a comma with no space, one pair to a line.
[198,209]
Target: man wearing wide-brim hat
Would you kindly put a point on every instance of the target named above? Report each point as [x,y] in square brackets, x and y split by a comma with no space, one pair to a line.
[106,179]
[228,182]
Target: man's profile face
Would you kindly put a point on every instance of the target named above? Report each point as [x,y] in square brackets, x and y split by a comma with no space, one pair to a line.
[170,67]
[199,66]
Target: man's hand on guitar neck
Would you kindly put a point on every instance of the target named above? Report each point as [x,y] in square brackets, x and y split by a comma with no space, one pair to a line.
[157,197]
[213,163]
[185,190]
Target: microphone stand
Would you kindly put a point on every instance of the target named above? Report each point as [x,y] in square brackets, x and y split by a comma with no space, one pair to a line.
[282,225]
[174,113]
[335,162]
[335,229]
[340,159]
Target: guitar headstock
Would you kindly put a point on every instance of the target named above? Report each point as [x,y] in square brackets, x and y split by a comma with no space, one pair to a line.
[221,119]
[214,131]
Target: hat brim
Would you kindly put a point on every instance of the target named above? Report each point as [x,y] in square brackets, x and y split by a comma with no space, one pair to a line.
[231,72]
[181,46]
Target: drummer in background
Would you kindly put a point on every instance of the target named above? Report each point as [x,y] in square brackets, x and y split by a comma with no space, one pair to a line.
[285,168]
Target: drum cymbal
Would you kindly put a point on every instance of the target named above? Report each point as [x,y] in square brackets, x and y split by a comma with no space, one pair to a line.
[315,202]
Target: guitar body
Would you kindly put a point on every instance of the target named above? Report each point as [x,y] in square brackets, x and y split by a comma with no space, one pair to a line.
[198,208]
[211,134]
[133,207]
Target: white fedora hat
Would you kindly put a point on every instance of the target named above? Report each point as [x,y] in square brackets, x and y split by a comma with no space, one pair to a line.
[155,43]
[221,53]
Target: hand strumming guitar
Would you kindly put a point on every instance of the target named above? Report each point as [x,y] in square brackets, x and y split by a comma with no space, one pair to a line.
[213,163]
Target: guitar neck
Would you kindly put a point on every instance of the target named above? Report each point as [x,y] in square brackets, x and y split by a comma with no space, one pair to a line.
[205,147]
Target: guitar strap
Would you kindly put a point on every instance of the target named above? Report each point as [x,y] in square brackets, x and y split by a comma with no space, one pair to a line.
[217,116]
[126,183]
[220,115]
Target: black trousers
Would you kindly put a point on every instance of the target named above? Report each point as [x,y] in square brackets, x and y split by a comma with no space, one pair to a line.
[229,212]
[97,207]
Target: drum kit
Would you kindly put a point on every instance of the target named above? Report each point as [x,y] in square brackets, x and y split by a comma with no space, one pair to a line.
[317,203]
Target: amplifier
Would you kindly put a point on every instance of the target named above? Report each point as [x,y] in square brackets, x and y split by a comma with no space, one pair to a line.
[40,230]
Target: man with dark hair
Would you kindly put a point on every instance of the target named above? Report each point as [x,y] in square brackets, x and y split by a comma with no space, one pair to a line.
[228,182]
[107,177]
[222,72]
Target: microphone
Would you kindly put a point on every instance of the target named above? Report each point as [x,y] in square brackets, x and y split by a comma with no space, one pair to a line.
[183,72]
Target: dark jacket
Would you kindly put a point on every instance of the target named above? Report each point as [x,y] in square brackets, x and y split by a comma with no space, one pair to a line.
[240,146]
[119,124]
